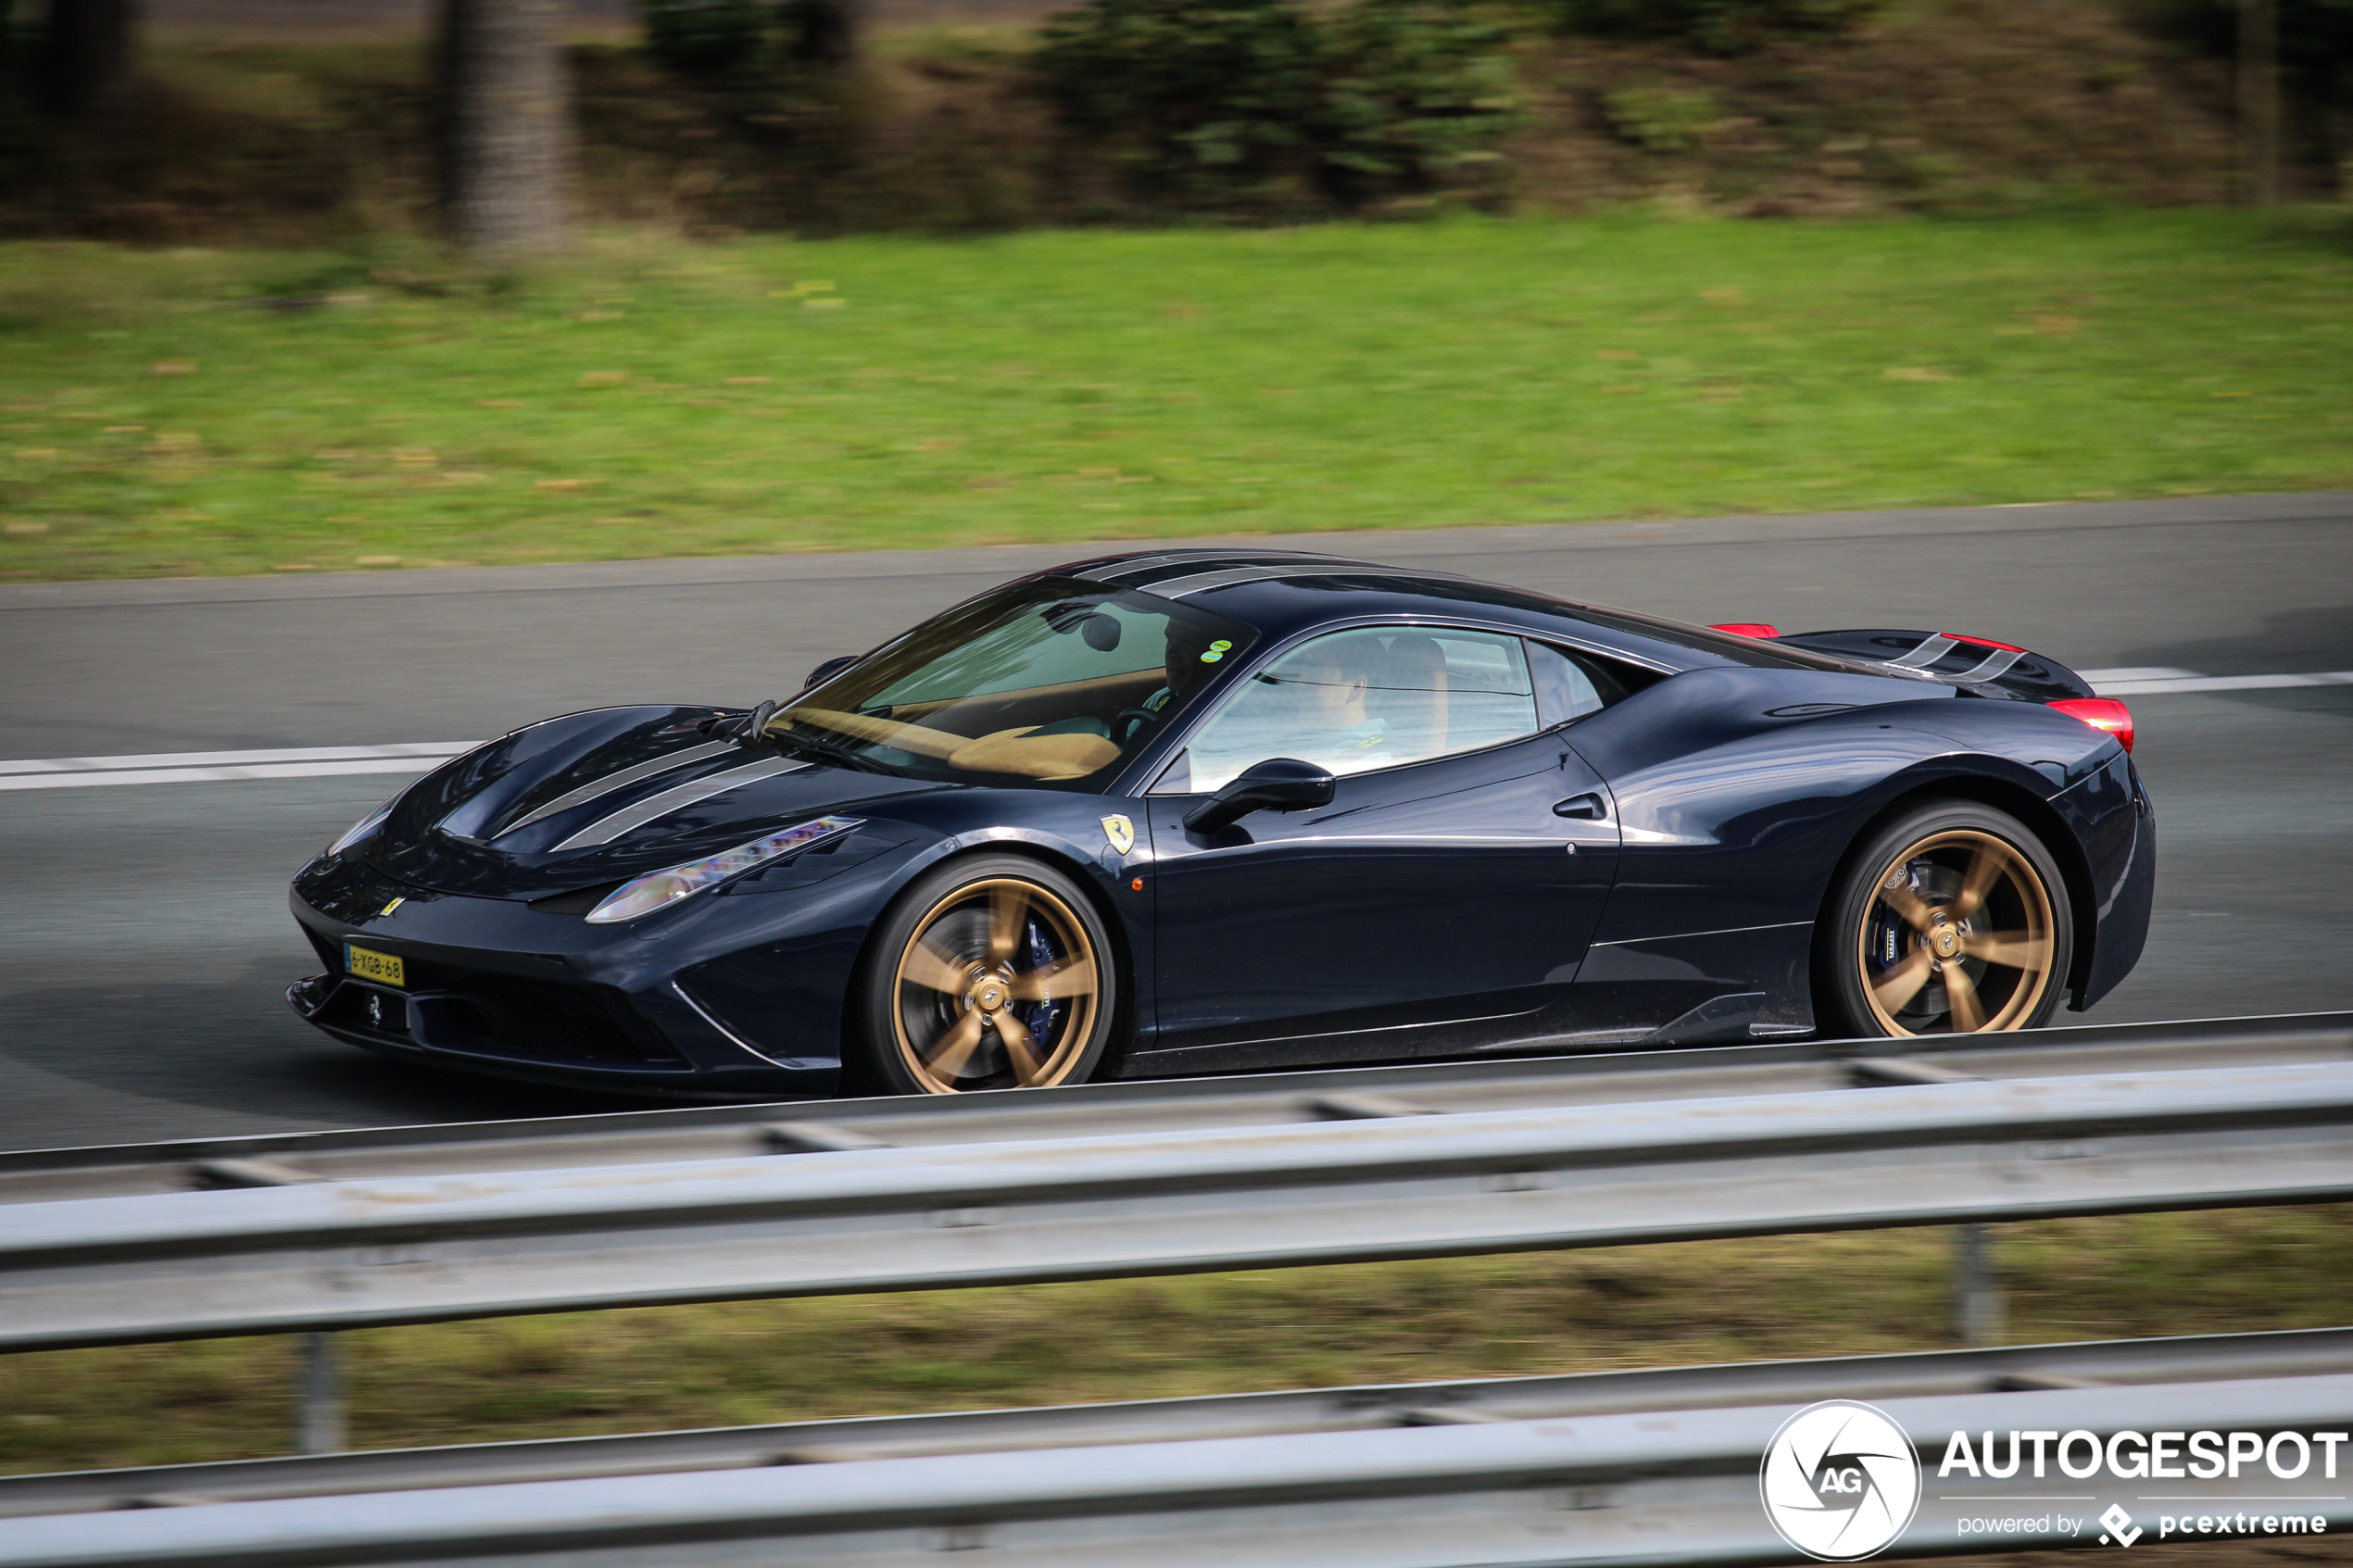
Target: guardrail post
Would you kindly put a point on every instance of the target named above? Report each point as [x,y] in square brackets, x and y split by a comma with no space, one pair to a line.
[319,1422]
[1977,1290]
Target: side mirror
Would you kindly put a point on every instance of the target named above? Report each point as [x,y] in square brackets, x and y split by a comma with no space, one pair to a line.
[1279,784]
[828,669]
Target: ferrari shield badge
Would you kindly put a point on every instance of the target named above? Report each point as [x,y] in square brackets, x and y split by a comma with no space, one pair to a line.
[1121,832]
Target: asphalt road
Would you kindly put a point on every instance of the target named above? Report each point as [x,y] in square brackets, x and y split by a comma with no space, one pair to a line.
[143,938]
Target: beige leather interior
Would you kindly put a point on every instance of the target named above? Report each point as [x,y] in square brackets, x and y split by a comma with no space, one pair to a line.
[1035,757]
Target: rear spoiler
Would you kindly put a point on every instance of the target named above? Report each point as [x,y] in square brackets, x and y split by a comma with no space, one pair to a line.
[1977,664]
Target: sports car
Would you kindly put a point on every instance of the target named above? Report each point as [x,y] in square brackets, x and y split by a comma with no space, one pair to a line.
[1205,810]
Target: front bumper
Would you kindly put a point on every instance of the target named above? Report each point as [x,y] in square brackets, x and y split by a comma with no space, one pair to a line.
[492,985]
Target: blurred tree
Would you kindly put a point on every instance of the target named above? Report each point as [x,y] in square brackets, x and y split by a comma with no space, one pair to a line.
[504,127]
[2309,116]
[16,118]
[85,55]
[9,52]
[823,32]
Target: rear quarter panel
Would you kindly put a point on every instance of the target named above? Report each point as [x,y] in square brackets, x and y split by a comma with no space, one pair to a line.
[1739,793]
[2103,818]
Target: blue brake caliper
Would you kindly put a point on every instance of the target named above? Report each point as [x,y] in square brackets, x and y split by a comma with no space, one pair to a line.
[1042,1017]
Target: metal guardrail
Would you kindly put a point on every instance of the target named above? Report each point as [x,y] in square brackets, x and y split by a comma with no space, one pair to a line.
[1661,1486]
[1150,1107]
[349,1253]
[1573,1397]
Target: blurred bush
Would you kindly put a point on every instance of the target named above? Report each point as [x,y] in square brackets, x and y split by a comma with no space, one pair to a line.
[1416,91]
[1203,95]
[703,39]
[1208,101]
[1660,120]
[1715,27]
[1140,111]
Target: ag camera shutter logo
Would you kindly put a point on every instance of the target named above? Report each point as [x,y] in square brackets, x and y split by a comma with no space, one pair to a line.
[1840,1481]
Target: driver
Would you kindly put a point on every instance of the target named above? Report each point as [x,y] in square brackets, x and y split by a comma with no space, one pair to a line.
[1185,645]
[1182,669]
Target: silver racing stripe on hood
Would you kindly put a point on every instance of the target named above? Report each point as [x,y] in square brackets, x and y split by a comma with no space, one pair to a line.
[606,829]
[612,782]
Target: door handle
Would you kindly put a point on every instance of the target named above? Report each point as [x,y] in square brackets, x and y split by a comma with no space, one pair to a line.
[1585,807]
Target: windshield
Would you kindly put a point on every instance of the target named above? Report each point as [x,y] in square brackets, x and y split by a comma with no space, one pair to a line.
[1053,682]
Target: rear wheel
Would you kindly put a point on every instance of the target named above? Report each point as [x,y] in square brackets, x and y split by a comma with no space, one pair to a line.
[991,974]
[1952,920]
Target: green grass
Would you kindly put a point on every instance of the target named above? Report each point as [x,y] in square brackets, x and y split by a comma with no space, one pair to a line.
[1552,1313]
[654,398]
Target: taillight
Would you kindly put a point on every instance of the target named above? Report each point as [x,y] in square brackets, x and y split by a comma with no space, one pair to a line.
[2101,713]
[1748,629]
[1980,642]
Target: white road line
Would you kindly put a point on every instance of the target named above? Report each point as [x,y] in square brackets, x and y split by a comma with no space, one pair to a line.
[2182,681]
[206,767]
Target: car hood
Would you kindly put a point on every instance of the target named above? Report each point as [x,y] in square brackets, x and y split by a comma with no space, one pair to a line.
[604,795]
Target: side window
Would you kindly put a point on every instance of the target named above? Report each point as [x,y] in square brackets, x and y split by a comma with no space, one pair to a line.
[1570,686]
[1374,697]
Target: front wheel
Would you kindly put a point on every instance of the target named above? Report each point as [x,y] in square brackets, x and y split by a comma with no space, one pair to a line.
[994,972]
[1952,920]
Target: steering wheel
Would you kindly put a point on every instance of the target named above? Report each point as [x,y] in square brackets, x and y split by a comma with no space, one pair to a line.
[1134,719]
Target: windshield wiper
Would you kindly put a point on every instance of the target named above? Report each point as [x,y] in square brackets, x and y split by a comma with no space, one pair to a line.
[827,751]
[752,730]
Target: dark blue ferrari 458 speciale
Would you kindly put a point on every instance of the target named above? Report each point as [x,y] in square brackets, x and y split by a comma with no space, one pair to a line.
[1204,810]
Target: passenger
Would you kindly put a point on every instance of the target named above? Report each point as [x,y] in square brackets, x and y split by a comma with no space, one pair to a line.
[1341,734]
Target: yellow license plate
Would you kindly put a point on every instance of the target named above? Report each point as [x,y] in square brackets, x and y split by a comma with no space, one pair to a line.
[369,964]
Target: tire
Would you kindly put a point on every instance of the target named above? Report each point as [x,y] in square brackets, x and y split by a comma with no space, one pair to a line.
[991,973]
[1947,885]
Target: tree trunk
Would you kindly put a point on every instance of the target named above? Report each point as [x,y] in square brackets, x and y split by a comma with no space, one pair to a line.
[2260,99]
[506,140]
[85,60]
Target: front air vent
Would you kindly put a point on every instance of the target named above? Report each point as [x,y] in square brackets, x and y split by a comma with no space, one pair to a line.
[507,1015]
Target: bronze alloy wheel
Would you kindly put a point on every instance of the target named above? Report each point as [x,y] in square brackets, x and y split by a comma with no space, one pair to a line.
[997,986]
[1958,938]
